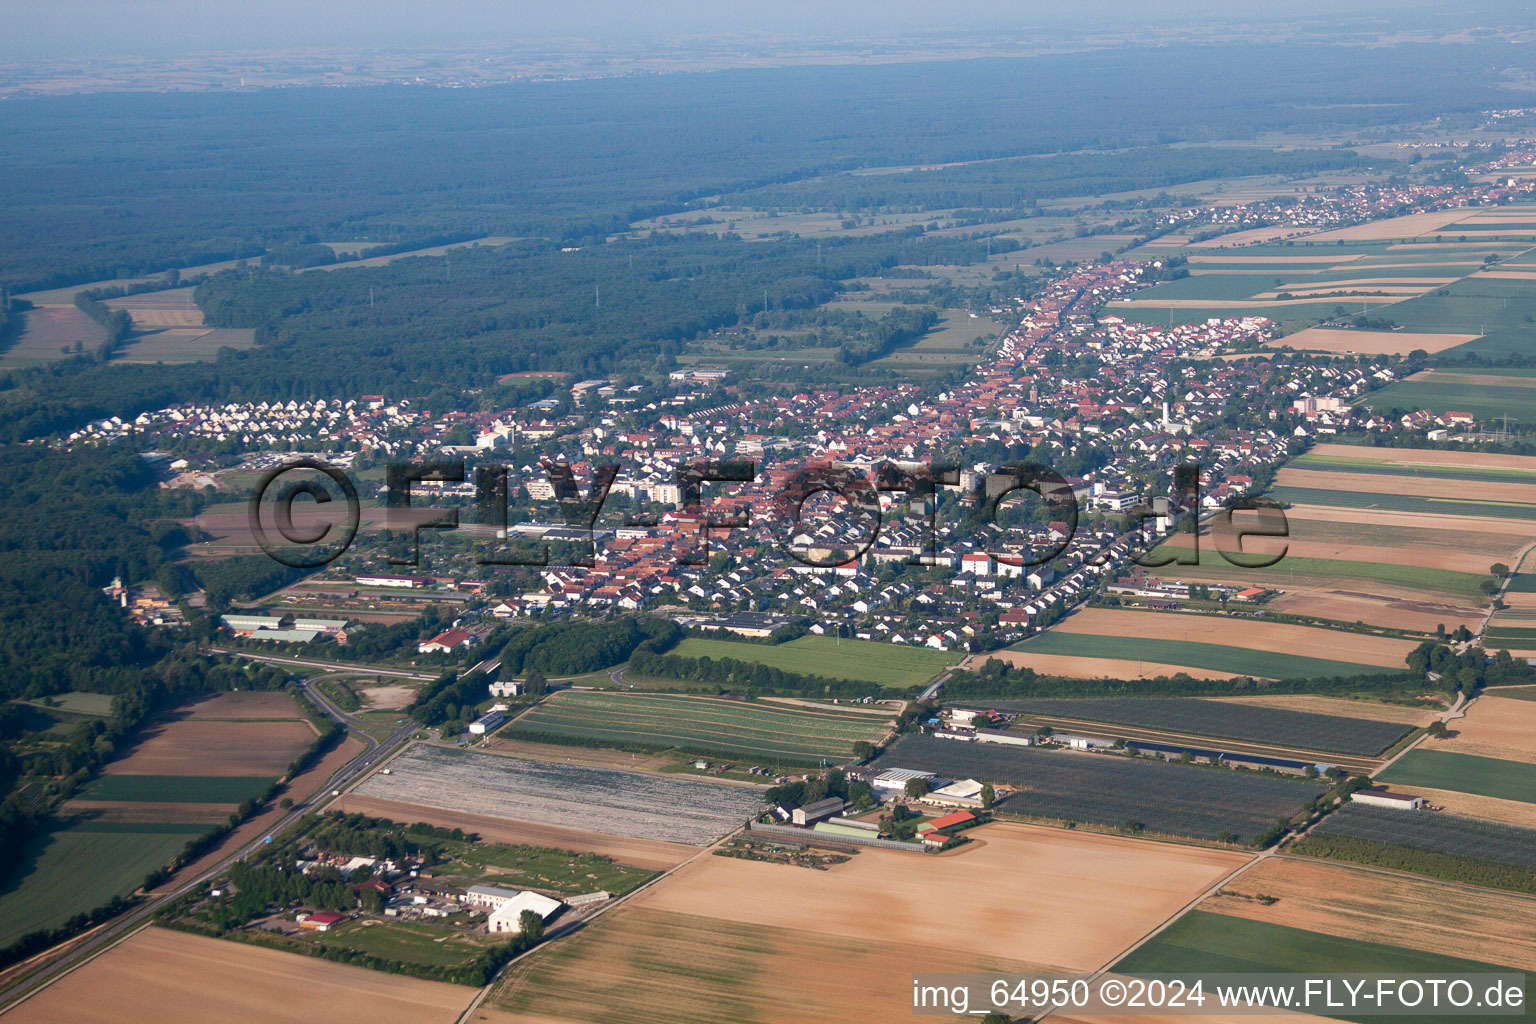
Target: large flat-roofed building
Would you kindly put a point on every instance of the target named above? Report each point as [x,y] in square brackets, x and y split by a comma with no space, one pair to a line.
[821,810]
[507,905]
[251,623]
[391,580]
[1382,798]
[486,723]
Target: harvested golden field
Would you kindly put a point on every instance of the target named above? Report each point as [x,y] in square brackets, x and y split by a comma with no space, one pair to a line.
[1429,457]
[1342,706]
[645,966]
[1323,339]
[1256,635]
[1477,924]
[246,704]
[642,853]
[1495,727]
[1002,891]
[1094,668]
[193,747]
[1404,611]
[715,942]
[1410,226]
[175,978]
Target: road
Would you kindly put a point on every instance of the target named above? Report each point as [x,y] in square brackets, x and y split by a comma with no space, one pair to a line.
[333,666]
[120,928]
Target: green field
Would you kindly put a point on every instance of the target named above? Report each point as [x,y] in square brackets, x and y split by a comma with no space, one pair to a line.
[1495,308]
[180,789]
[1194,654]
[1439,394]
[1446,580]
[1464,773]
[540,867]
[1202,942]
[703,725]
[892,665]
[80,867]
[412,942]
[77,702]
[1403,503]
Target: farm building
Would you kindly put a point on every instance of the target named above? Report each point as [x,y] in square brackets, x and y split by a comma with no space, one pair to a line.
[821,810]
[842,827]
[285,636]
[486,723]
[407,582]
[247,624]
[321,921]
[949,821]
[321,625]
[507,688]
[894,780]
[446,641]
[507,905]
[1017,739]
[965,793]
[1382,798]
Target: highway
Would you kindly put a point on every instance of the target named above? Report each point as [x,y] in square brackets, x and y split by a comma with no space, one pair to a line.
[110,934]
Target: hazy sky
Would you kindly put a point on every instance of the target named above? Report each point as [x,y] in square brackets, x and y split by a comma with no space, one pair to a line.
[62,27]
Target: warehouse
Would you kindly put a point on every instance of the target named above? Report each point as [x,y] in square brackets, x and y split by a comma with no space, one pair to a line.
[247,624]
[507,905]
[486,723]
[821,810]
[1382,798]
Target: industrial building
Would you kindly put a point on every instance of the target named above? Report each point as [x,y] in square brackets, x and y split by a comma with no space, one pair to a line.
[507,905]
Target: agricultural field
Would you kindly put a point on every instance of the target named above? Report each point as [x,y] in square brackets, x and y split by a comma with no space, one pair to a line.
[1464,773]
[1440,844]
[192,789]
[1339,900]
[643,806]
[176,978]
[774,733]
[1201,941]
[1499,725]
[1223,720]
[889,665]
[1169,799]
[1488,395]
[714,942]
[46,332]
[1336,340]
[1236,646]
[80,865]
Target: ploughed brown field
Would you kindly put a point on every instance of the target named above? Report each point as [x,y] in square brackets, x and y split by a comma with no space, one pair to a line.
[193,747]
[1476,924]
[1257,635]
[643,853]
[245,704]
[1424,486]
[171,977]
[716,941]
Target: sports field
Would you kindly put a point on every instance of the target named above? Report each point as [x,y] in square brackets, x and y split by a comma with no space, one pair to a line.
[768,732]
[80,866]
[892,665]
[1464,773]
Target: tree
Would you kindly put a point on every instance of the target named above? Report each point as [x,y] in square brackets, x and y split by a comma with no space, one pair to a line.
[1044,732]
[1437,729]
[1499,569]
[1225,837]
[530,926]
[863,750]
[286,803]
[988,796]
[535,684]
[917,787]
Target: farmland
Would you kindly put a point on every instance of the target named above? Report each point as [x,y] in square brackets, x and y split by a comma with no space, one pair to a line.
[194,789]
[81,865]
[891,665]
[1225,720]
[1439,845]
[714,942]
[1230,660]
[1332,898]
[1496,726]
[1464,773]
[1217,943]
[656,807]
[1106,790]
[775,733]
[176,978]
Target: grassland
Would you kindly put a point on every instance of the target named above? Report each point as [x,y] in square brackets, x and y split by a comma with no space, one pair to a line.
[79,866]
[411,942]
[192,789]
[1475,390]
[1464,773]
[700,725]
[1203,942]
[890,665]
[1215,657]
